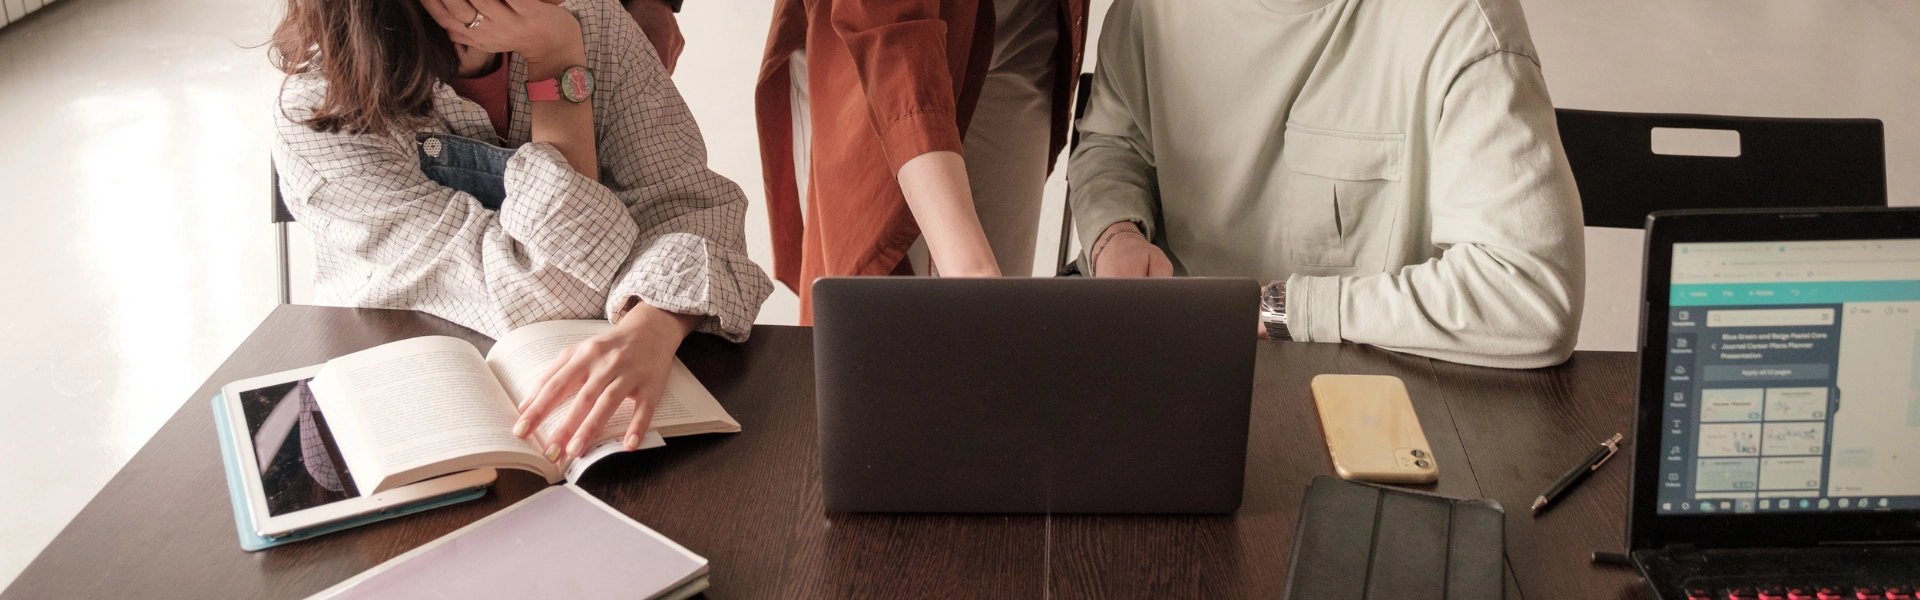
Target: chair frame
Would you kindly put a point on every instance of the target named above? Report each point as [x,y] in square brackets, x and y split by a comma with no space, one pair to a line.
[1064,261]
[281,217]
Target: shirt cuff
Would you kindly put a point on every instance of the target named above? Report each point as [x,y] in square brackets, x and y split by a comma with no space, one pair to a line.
[914,134]
[675,274]
[1313,308]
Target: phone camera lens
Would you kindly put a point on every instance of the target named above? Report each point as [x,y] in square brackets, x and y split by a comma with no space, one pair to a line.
[1421,463]
[1418,453]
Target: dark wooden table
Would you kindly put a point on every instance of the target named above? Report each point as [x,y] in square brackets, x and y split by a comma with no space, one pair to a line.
[750,502]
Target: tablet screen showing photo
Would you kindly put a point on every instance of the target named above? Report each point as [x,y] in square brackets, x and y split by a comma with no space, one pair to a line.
[300,466]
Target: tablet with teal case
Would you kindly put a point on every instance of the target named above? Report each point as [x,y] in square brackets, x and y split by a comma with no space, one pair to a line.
[251,540]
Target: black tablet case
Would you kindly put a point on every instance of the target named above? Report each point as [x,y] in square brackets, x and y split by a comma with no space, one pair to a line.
[1358,541]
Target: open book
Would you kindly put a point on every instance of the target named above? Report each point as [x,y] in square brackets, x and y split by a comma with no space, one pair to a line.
[424,407]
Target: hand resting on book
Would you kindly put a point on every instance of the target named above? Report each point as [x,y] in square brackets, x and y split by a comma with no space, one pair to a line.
[630,361]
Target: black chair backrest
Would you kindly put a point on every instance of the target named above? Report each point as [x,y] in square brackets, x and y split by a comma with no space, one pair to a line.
[1063,262]
[1782,163]
[280,213]
[1081,93]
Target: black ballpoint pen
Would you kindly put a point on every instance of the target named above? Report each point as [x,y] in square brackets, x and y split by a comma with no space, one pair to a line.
[1587,465]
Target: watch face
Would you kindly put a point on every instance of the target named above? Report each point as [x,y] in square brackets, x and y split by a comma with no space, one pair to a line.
[1273,297]
[576,84]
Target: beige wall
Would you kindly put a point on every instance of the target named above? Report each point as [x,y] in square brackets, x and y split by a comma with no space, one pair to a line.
[1754,58]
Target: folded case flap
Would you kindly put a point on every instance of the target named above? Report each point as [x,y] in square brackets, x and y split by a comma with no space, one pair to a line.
[1476,561]
[1364,542]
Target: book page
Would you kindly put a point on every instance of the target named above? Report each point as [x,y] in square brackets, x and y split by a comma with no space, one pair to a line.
[687,408]
[606,448]
[418,402]
[523,355]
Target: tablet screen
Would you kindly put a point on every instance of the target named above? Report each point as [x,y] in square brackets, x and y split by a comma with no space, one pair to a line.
[300,467]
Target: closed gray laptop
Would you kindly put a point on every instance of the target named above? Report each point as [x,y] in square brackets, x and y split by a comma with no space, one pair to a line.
[1064,395]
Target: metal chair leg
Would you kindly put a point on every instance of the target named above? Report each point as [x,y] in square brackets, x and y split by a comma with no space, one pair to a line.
[286,280]
[1063,262]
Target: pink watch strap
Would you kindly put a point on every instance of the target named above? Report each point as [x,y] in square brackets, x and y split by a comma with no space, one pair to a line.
[543,91]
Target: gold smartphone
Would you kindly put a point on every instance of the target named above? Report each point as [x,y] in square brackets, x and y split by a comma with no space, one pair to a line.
[1372,431]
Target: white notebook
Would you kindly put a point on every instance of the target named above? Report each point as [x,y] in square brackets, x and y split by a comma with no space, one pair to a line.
[558,543]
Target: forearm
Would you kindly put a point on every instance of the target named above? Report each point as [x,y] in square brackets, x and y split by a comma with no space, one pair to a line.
[1106,237]
[935,186]
[690,255]
[1112,176]
[1506,291]
[1475,305]
[415,237]
[641,315]
[566,125]
[1110,183]
[690,274]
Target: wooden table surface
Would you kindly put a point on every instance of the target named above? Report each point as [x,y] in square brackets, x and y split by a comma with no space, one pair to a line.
[750,502]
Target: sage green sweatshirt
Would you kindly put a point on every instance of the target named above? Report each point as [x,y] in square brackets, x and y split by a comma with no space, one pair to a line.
[1395,161]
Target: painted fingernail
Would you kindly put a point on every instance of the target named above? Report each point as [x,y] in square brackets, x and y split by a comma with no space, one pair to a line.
[520,429]
[574,447]
[553,452]
[633,442]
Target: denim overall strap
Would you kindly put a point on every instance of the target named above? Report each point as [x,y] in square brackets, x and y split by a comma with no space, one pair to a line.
[467,165]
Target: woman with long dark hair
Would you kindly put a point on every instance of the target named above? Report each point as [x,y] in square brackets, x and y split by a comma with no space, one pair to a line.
[504,162]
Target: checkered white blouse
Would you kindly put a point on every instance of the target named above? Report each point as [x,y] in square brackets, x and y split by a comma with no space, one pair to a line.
[659,225]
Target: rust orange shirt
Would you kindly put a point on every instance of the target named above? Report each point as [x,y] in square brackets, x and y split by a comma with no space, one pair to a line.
[887,80]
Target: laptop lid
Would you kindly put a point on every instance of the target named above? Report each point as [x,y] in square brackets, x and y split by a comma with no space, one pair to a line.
[1061,395]
[1779,379]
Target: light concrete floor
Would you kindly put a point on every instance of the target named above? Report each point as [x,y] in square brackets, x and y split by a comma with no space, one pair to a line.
[132,181]
[133,160]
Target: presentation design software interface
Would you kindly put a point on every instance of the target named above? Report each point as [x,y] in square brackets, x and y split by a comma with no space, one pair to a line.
[1793,377]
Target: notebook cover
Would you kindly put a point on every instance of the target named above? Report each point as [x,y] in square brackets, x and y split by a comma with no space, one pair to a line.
[1357,541]
[558,543]
[251,540]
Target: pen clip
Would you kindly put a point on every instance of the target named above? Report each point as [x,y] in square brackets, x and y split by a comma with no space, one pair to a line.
[1613,447]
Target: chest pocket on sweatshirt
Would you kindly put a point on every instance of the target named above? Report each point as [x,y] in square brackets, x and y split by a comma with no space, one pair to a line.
[1335,181]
